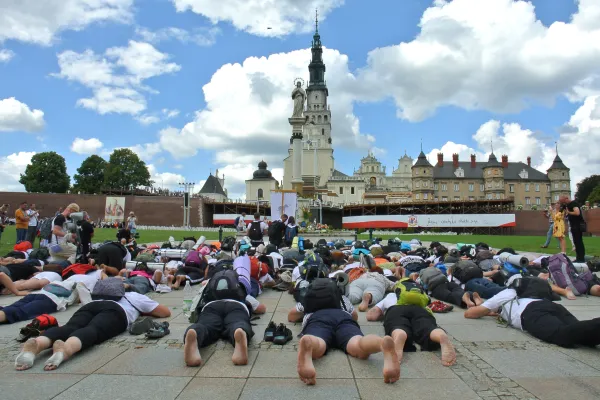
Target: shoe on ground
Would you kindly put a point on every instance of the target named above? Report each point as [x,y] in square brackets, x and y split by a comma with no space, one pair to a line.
[270,332]
[282,335]
[141,326]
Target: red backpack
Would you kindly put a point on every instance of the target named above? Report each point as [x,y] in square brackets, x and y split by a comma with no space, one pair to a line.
[258,268]
[77,269]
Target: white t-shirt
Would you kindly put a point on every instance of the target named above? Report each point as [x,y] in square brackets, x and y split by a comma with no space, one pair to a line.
[263,225]
[388,301]
[33,221]
[511,308]
[89,279]
[242,221]
[132,303]
[249,299]
[50,276]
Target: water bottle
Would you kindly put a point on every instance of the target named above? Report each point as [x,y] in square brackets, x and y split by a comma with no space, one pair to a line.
[188,296]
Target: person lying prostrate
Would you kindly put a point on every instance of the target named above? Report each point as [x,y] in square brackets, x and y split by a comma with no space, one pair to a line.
[38,281]
[53,297]
[11,273]
[535,313]
[94,323]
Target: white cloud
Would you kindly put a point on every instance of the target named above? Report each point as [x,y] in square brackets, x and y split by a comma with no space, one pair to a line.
[6,55]
[146,119]
[170,113]
[166,180]
[39,22]
[146,151]
[115,78]
[86,146]
[17,116]
[11,168]
[493,55]
[199,36]
[256,16]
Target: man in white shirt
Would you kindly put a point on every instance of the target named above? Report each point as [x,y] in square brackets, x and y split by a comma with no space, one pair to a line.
[33,215]
[535,313]
[256,231]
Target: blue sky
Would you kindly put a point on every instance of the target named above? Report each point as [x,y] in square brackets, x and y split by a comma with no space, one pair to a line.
[403,70]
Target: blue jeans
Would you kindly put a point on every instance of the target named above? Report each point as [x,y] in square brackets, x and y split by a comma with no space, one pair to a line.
[139,284]
[549,234]
[483,287]
[21,235]
[28,308]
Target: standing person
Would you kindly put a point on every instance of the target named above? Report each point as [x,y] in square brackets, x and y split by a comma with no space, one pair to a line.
[577,225]
[132,223]
[240,222]
[3,219]
[291,231]
[86,234]
[60,211]
[277,230]
[559,226]
[61,241]
[33,215]
[550,234]
[256,231]
[22,222]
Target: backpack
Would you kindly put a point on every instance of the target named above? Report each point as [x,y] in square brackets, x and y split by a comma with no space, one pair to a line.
[467,250]
[237,221]
[432,277]
[290,234]
[511,269]
[565,276]
[228,243]
[36,327]
[258,269]
[313,270]
[404,247]
[193,259]
[46,229]
[465,270]
[109,289]
[225,285]
[322,293]
[275,230]
[166,245]
[41,253]
[145,257]
[410,293]
[77,269]
[255,232]
[483,255]
[532,287]
[356,273]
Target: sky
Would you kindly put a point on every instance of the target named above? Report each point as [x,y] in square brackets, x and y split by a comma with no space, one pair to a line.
[193,86]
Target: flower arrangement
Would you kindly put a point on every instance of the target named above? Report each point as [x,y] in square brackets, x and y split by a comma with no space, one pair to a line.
[519,207]
[305,213]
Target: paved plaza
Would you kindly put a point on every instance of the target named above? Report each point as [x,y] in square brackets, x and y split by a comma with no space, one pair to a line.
[493,362]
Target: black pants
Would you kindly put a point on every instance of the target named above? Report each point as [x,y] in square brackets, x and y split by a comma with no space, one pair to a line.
[31,234]
[92,324]
[553,323]
[111,254]
[449,292]
[220,320]
[416,321]
[578,243]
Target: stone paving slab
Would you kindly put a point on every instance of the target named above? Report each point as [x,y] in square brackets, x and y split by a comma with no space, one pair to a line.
[422,389]
[414,365]
[486,331]
[149,361]
[293,389]
[222,367]
[282,364]
[561,388]
[36,386]
[212,389]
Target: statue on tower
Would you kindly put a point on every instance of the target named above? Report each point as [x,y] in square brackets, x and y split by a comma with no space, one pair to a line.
[299,97]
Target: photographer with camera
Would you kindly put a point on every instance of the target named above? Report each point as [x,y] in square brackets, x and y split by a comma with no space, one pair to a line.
[63,239]
[577,225]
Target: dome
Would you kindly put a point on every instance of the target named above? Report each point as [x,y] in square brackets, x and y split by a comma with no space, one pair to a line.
[262,172]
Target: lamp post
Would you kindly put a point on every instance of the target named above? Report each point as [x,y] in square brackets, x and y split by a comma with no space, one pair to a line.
[187,187]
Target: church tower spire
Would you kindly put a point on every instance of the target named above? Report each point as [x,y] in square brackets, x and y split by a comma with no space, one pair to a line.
[316,67]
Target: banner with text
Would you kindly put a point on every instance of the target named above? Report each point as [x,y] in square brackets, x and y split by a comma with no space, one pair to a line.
[429,221]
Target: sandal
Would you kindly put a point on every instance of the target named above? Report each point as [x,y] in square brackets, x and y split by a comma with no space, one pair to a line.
[159,330]
[282,335]
[440,307]
[270,332]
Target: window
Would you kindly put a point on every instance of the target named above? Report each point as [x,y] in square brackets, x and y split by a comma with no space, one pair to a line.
[444,187]
[456,187]
[471,187]
[418,184]
[555,197]
[537,187]
[498,184]
[456,198]
[489,196]
[481,187]
[527,200]
[556,186]
[564,185]
[436,199]
[538,201]
[471,198]
[435,186]
[425,184]
[547,188]
[352,190]
[497,196]
[322,131]
[444,198]
[489,171]
[325,118]
[527,187]
[563,174]
[511,188]
[489,185]
[424,172]
[548,200]
[260,193]
[424,196]
[341,190]
[418,196]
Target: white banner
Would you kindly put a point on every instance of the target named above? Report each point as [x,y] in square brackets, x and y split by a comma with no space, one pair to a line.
[429,221]
[283,203]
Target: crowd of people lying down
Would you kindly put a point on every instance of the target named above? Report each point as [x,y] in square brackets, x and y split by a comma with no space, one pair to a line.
[331,282]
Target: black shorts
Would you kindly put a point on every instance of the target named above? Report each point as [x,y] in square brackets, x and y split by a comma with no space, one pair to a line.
[416,321]
[335,327]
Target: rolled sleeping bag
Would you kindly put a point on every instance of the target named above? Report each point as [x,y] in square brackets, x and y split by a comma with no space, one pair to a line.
[581,268]
[199,242]
[130,265]
[177,254]
[517,260]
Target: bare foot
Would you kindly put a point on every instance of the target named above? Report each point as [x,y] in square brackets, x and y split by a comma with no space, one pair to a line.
[306,368]
[448,352]
[26,357]
[478,300]
[570,295]
[467,300]
[191,354]
[366,300]
[391,364]
[240,353]
[60,353]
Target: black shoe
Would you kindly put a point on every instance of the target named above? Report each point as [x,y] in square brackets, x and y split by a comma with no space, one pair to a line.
[282,335]
[270,332]
[141,326]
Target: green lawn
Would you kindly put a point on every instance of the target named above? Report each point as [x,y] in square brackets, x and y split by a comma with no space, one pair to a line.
[522,243]
[9,237]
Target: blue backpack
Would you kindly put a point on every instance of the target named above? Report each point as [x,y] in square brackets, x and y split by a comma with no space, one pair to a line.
[290,233]
[513,270]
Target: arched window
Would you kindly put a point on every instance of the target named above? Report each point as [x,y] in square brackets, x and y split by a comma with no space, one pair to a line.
[260,193]
[313,118]
[325,119]
[322,131]
[319,119]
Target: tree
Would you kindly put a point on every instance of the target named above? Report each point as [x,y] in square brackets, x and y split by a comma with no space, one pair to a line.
[90,176]
[125,169]
[585,187]
[594,197]
[47,173]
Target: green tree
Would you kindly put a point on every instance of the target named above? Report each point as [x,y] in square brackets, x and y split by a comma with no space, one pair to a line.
[585,188]
[125,169]
[594,197]
[90,176]
[47,173]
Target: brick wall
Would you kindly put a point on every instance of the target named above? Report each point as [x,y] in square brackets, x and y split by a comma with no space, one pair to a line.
[534,222]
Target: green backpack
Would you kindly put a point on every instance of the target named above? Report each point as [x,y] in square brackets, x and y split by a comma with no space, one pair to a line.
[410,293]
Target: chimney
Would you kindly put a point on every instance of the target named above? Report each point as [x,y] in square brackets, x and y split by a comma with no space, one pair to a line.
[529,161]
[455,160]
[440,162]
[472,160]
[504,161]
